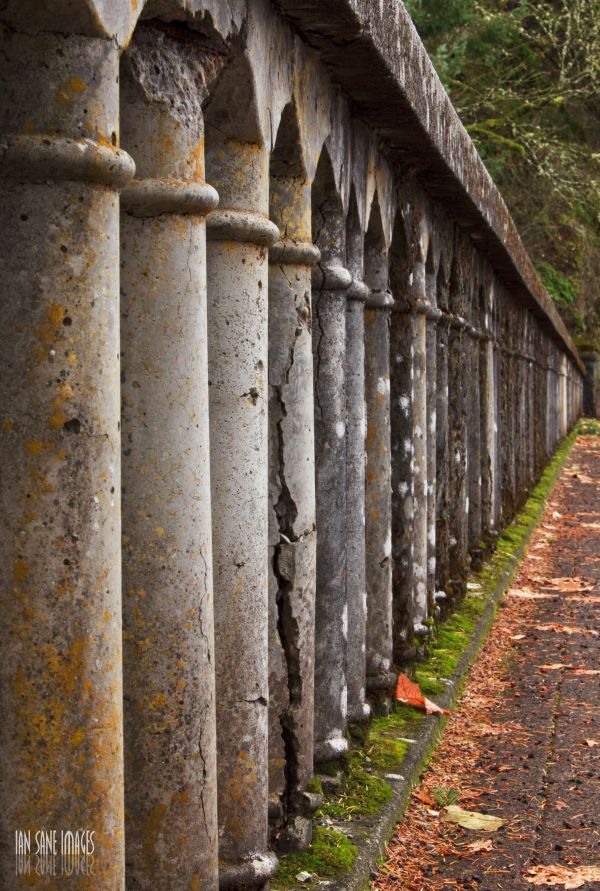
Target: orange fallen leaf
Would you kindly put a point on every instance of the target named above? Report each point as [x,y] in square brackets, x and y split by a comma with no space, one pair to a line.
[560,805]
[591,743]
[566,583]
[565,629]
[410,694]
[423,796]
[482,844]
[569,876]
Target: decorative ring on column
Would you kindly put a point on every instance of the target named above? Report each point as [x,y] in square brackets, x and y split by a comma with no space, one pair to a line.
[384,681]
[330,749]
[40,158]
[249,874]
[331,278]
[296,253]
[358,291]
[241,225]
[457,322]
[421,308]
[380,299]
[151,197]
[434,314]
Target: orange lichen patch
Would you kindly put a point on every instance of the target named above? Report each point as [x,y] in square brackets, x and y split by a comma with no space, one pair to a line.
[72,358]
[57,419]
[153,829]
[8,425]
[35,446]
[20,570]
[157,702]
[69,89]
[159,531]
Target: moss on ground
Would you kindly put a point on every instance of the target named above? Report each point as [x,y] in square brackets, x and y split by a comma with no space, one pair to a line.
[383,746]
[330,854]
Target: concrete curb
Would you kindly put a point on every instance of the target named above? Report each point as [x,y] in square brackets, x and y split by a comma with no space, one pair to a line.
[371,835]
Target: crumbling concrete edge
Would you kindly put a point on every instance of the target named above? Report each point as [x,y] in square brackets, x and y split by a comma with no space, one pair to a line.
[371,849]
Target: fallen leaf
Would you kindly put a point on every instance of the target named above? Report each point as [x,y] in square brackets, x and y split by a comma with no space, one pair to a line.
[482,844]
[586,671]
[565,629]
[472,819]
[423,796]
[560,805]
[554,666]
[518,637]
[410,694]
[568,583]
[569,876]
[591,743]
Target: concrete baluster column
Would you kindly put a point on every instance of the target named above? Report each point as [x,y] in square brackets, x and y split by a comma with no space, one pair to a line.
[170,742]
[330,284]
[442,476]
[378,479]
[419,468]
[239,234]
[475,441]
[433,318]
[292,535]
[401,428]
[458,480]
[488,424]
[356,427]
[61,700]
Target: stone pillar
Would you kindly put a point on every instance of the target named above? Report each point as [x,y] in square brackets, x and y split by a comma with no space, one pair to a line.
[239,235]
[457,478]
[488,427]
[420,550]
[292,536]
[433,317]
[442,476]
[401,426]
[356,426]
[378,484]
[330,284]
[170,743]
[591,385]
[475,440]
[61,700]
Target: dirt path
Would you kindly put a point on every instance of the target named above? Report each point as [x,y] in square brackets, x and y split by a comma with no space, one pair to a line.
[525,742]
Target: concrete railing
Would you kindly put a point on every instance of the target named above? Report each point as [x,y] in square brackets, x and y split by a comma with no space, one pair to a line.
[249,451]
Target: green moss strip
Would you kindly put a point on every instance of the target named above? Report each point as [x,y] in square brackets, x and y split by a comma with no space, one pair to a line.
[385,743]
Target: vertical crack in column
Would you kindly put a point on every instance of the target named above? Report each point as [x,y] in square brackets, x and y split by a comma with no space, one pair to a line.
[288,630]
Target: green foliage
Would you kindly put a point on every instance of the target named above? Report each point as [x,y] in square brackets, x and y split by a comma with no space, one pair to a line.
[561,289]
[445,796]
[524,75]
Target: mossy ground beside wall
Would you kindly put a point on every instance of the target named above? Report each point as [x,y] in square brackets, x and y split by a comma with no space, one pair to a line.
[378,751]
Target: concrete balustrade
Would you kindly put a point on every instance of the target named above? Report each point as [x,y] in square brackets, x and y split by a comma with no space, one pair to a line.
[321,400]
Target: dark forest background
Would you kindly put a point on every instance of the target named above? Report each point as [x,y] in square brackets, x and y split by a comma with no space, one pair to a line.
[524,76]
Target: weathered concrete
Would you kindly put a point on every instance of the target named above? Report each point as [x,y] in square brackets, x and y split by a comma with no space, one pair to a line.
[591,388]
[356,431]
[331,281]
[170,757]
[61,699]
[292,537]
[239,234]
[378,499]
[401,423]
